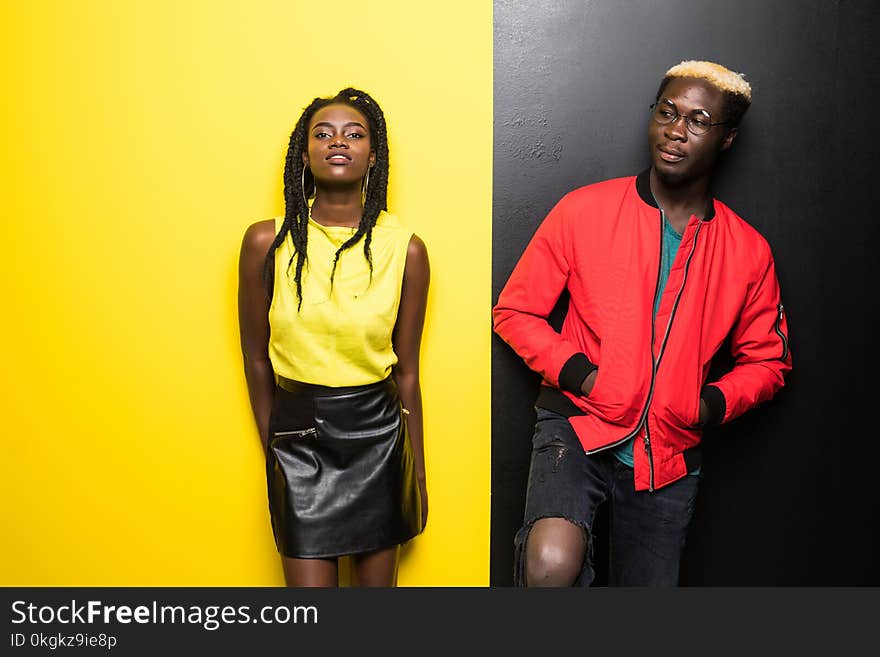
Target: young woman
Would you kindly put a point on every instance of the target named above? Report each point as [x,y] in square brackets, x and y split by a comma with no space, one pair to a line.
[331,308]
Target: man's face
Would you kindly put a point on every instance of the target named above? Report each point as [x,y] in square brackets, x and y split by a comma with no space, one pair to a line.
[677,155]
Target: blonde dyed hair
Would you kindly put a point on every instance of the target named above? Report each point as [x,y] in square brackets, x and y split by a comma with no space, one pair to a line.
[715,74]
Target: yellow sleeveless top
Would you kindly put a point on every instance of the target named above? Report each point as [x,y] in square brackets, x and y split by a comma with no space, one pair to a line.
[340,336]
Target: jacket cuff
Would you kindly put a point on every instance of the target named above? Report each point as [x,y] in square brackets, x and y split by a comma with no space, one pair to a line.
[716,404]
[573,373]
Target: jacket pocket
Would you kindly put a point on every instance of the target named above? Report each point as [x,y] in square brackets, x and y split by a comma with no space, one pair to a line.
[298,433]
[686,418]
[683,404]
[280,439]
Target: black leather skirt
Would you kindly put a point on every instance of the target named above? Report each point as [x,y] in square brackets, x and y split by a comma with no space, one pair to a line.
[340,470]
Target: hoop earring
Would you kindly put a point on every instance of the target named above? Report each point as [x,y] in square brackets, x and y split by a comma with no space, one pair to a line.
[365,185]
[302,183]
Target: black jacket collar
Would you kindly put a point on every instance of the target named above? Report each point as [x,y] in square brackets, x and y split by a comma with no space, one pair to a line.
[643,187]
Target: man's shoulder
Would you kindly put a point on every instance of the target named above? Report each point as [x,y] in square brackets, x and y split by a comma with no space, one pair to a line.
[592,202]
[735,222]
[601,189]
[740,229]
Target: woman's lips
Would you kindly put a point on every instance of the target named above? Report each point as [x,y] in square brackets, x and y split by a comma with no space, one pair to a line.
[338,159]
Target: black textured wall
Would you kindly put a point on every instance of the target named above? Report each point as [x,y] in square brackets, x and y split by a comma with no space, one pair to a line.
[790,493]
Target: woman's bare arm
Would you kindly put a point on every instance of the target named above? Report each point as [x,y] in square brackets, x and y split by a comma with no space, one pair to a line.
[407,342]
[253,322]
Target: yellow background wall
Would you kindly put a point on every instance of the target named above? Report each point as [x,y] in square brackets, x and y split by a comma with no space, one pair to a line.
[139,141]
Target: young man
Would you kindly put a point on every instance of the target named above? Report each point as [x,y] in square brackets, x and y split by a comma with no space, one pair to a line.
[659,275]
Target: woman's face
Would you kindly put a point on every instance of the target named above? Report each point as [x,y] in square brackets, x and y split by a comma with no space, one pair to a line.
[339,149]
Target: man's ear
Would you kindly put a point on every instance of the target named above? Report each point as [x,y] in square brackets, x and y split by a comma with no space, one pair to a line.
[727,142]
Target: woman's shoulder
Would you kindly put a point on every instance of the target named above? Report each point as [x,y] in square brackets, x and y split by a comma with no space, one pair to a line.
[259,235]
[414,244]
[416,247]
[391,226]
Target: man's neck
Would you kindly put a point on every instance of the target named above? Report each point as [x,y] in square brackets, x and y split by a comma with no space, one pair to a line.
[680,202]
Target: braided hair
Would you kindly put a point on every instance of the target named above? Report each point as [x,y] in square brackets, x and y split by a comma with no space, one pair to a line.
[299,185]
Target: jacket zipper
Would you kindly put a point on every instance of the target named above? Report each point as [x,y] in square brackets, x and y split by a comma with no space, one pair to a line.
[655,361]
[780,333]
[644,413]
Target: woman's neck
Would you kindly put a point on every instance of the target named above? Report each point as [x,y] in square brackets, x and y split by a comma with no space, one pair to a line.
[337,207]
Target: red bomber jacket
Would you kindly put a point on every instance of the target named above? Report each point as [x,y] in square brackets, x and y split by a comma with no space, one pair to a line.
[602,243]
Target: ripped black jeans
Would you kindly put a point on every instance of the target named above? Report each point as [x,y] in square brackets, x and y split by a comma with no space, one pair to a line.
[648,529]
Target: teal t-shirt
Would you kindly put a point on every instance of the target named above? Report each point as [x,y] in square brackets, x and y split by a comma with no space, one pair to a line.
[671,242]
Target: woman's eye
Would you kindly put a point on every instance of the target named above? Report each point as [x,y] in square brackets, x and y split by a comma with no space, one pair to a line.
[355,135]
[321,135]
